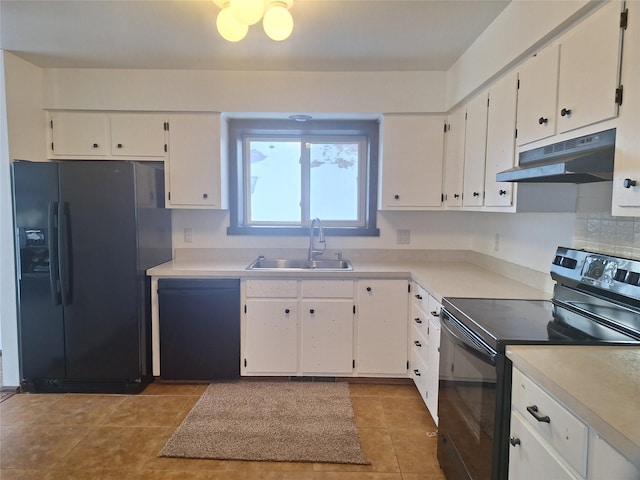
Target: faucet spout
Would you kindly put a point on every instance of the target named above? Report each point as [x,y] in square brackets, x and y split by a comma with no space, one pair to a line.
[314,251]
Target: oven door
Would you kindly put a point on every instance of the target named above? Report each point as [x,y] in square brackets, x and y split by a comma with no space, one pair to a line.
[467,403]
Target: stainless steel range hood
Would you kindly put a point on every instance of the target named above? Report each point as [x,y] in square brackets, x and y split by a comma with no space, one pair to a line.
[579,160]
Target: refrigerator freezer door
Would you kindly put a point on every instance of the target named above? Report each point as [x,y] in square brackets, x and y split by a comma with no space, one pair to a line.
[42,353]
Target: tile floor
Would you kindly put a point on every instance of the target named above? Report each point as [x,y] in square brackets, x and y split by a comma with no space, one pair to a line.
[118,437]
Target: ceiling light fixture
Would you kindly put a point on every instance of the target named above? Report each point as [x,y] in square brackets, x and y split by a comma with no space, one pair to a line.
[236,16]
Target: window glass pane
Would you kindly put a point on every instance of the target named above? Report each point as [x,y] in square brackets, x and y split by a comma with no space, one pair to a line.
[274,181]
[333,181]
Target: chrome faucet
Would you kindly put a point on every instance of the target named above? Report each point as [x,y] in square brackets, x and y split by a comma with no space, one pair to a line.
[313,250]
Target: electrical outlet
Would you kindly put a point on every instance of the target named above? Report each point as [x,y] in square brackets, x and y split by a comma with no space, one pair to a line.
[403,237]
[188,235]
[496,242]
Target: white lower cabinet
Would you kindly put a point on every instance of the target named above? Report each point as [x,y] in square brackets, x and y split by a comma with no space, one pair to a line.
[381,315]
[325,327]
[549,441]
[424,344]
[327,336]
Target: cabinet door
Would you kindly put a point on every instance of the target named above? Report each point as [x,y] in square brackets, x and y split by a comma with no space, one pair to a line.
[475,149]
[412,156]
[537,95]
[501,128]
[138,135]
[454,157]
[433,363]
[626,196]
[327,336]
[606,462]
[590,70]
[76,134]
[382,310]
[531,458]
[271,338]
[194,175]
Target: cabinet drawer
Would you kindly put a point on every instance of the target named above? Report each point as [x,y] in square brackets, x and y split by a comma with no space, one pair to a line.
[419,344]
[419,374]
[564,432]
[419,319]
[327,288]
[434,307]
[420,297]
[272,288]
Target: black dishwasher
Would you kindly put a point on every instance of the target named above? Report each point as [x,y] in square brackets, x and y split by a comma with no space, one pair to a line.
[199,328]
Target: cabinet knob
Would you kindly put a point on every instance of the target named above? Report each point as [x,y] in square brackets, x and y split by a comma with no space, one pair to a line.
[513,440]
[502,192]
[312,311]
[417,343]
[95,145]
[287,311]
[397,197]
[455,195]
[205,195]
[565,111]
[368,289]
[543,121]
[416,372]
[628,183]
[476,194]
[119,145]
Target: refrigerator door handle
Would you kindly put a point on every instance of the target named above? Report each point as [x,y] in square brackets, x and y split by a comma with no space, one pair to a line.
[54,266]
[64,255]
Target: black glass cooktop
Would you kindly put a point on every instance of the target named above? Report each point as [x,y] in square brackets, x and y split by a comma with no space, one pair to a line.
[500,322]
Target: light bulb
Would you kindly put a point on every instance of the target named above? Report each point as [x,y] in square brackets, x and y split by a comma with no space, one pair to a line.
[278,22]
[247,11]
[229,27]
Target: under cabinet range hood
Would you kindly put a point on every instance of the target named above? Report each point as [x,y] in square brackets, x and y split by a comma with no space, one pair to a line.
[579,160]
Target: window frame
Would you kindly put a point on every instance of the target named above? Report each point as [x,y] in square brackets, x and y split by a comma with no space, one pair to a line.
[241,129]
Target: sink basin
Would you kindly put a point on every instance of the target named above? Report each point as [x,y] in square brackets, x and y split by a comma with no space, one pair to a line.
[262,263]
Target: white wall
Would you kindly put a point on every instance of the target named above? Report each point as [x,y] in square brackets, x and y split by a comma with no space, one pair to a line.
[21,138]
[199,90]
[521,28]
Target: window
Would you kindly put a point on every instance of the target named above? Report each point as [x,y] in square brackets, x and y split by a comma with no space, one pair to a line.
[283,174]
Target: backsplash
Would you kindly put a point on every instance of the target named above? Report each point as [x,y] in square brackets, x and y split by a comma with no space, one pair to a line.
[598,231]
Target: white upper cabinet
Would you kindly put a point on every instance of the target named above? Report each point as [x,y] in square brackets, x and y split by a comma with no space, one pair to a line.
[138,135]
[537,96]
[501,126]
[475,149]
[130,136]
[590,70]
[572,83]
[454,157]
[75,134]
[196,175]
[626,175]
[411,167]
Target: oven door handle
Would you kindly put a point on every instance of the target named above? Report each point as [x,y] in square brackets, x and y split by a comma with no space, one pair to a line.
[474,346]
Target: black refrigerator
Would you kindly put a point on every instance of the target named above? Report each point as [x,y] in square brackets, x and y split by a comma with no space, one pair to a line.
[86,231]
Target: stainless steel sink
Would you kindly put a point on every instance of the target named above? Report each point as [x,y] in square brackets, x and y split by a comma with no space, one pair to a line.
[262,263]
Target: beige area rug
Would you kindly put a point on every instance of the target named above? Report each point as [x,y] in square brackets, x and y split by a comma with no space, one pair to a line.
[270,421]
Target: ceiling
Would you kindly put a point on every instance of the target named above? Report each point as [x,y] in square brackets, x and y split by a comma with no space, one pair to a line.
[329,35]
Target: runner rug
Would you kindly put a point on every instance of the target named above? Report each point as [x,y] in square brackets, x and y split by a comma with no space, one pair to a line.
[270,421]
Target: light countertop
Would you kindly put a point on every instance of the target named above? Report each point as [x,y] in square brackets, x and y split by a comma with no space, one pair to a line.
[600,384]
[448,277]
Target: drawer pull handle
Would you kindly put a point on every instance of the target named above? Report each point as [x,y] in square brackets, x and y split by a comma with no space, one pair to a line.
[417,320]
[434,313]
[416,372]
[514,441]
[418,296]
[417,343]
[533,410]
